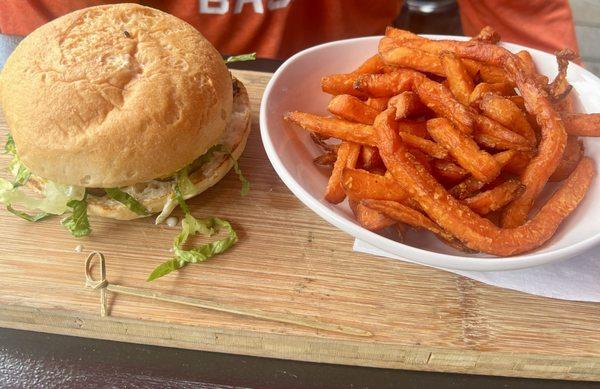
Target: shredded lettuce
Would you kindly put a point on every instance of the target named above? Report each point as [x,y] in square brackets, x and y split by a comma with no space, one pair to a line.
[54,201]
[19,171]
[242,57]
[169,206]
[77,222]
[55,196]
[184,185]
[236,167]
[30,218]
[191,226]
[127,200]
[15,166]
[10,147]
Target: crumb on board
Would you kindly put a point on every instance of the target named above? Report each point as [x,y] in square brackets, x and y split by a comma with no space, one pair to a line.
[78,248]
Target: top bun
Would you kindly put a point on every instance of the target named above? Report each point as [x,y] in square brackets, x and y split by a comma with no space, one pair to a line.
[114,95]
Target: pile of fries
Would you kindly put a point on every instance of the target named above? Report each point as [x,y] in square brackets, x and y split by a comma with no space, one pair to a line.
[458,138]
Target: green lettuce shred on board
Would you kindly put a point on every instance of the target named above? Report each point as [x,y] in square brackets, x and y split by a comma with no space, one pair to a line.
[191,226]
[30,218]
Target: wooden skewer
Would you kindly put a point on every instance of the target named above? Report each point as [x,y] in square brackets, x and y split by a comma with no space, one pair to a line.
[289,318]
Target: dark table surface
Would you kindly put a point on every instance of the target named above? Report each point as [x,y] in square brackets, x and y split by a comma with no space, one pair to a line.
[29,359]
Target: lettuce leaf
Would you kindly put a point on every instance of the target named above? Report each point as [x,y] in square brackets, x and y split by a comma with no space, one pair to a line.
[184,184]
[9,147]
[169,206]
[30,218]
[15,166]
[191,226]
[77,223]
[55,198]
[19,171]
[236,167]
[242,57]
[127,200]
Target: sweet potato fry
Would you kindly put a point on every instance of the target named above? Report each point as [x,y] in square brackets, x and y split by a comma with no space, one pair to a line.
[519,162]
[459,81]
[493,135]
[483,88]
[582,124]
[384,85]
[565,105]
[407,104]
[386,44]
[369,158]
[426,146]
[334,128]
[527,61]
[550,148]
[420,157]
[440,100]
[362,185]
[487,35]
[352,108]
[339,84]
[487,73]
[448,172]
[457,219]
[402,35]
[560,87]
[529,67]
[553,134]
[508,114]
[347,156]
[407,215]
[369,218]
[471,185]
[464,150]
[496,198]
[378,103]
[414,127]
[406,57]
[519,102]
[571,157]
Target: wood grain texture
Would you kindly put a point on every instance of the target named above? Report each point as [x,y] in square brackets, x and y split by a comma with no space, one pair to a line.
[288,260]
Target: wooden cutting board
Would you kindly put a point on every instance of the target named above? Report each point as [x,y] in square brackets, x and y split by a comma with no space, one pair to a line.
[288,260]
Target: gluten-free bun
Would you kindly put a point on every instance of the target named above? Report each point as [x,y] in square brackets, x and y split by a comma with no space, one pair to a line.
[114,95]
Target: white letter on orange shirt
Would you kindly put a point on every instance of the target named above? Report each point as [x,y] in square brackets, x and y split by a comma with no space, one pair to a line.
[276,4]
[209,7]
[256,4]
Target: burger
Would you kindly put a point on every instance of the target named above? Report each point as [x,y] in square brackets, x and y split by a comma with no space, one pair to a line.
[119,111]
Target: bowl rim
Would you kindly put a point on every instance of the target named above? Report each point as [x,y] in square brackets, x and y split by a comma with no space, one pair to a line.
[425,257]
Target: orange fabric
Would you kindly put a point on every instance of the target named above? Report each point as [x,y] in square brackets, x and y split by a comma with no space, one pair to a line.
[272,28]
[281,32]
[542,24]
[279,28]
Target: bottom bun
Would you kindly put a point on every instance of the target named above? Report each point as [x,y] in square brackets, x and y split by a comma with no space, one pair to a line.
[155,194]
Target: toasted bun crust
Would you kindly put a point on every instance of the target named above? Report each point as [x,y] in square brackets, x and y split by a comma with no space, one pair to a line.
[154,195]
[114,95]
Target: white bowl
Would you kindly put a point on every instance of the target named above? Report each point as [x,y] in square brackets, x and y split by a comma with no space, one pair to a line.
[296,86]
